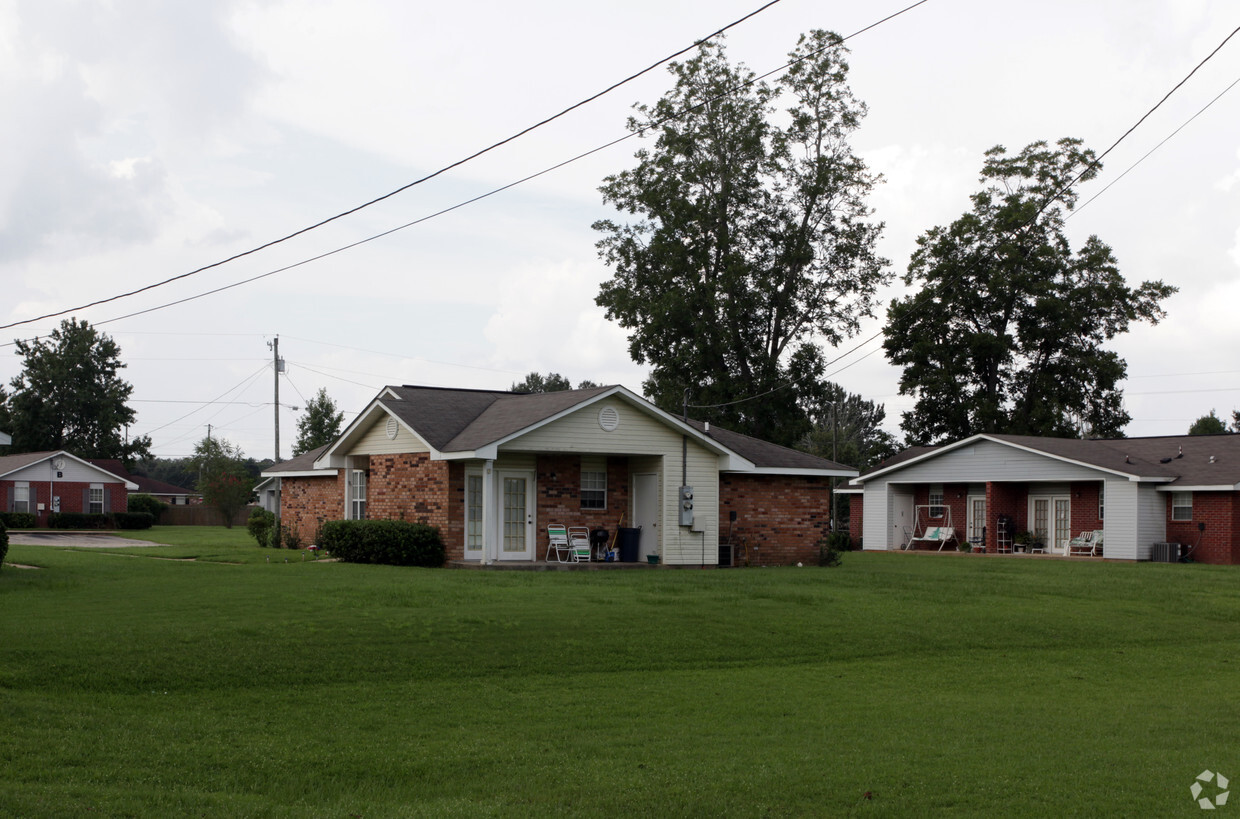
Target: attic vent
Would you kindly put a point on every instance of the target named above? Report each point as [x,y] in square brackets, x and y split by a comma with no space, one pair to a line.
[608,418]
[392,428]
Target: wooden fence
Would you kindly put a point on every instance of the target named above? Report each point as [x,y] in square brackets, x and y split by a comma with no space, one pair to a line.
[201,515]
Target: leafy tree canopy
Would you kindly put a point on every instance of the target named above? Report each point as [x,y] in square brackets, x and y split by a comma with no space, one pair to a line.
[1006,332]
[70,396]
[551,382]
[1212,425]
[750,243]
[320,425]
[225,482]
[848,429]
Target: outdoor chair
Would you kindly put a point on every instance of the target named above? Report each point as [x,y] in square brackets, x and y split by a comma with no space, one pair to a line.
[579,544]
[1082,544]
[557,539]
[941,535]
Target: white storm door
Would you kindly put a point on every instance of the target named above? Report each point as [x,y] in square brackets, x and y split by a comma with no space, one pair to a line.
[475,537]
[646,513]
[977,517]
[516,500]
[901,520]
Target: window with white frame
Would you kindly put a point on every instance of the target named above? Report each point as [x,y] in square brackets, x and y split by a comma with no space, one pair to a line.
[21,497]
[357,495]
[936,500]
[473,512]
[1102,498]
[1181,505]
[593,484]
[94,504]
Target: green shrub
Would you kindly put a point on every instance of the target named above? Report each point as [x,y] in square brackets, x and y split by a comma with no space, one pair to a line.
[78,520]
[259,525]
[147,503]
[391,542]
[292,540]
[829,551]
[133,520]
[4,543]
[19,520]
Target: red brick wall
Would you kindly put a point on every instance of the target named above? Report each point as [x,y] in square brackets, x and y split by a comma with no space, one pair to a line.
[784,517]
[1220,512]
[559,496]
[305,503]
[72,497]
[856,518]
[1010,499]
[409,487]
[1085,507]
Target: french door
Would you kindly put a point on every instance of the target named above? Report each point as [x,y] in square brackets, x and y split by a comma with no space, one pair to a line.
[516,498]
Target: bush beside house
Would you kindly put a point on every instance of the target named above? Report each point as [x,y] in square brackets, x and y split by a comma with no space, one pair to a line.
[390,542]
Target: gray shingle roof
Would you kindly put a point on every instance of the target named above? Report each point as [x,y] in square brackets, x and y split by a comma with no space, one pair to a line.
[1183,460]
[765,454]
[300,463]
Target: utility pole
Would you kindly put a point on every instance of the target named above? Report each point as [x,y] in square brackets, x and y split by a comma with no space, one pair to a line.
[277,367]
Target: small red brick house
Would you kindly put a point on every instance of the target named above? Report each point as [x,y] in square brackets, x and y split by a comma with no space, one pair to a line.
[1137,491]
[166,492]
[45,482]
[492,469]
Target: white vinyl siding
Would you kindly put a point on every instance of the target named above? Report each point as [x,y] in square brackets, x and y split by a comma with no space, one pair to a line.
[1181,505]
[989,461]
[376,442]
[636,435]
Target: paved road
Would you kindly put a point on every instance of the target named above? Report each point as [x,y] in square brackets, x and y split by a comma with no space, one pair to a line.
[80,539]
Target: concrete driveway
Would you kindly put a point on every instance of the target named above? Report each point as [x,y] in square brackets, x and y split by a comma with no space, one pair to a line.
[78,539]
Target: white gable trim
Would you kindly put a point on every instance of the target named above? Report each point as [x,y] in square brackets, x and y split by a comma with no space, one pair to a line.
[732,461]
[943,450]
[795,472]
[1222,488]
[129,485]
[334,456]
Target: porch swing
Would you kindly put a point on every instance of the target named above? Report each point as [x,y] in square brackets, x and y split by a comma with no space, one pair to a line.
[941,532]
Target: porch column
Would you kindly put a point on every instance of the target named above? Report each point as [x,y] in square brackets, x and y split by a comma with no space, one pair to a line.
[488,513]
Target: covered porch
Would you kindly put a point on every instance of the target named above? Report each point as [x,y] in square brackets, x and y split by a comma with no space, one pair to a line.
[1001,517]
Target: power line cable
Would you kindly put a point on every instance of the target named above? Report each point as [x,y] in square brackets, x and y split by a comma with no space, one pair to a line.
[406,187]
[244,382]
[494,191]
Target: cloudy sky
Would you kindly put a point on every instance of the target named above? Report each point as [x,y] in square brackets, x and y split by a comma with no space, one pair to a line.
[145,139]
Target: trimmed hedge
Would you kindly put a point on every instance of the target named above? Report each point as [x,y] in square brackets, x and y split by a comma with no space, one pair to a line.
[142,502]
[110,520]
[19,520]
[133,520]
[77,520]
[391,542]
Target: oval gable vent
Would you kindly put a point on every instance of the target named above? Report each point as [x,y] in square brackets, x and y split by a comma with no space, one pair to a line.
[392,428]
[608,418]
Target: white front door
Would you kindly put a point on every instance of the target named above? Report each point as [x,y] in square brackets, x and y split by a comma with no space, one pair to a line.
[516,500]
[646,513]
[901,520]
[976,518]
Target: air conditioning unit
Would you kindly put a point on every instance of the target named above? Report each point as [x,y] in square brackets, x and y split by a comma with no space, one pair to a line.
[1165,552]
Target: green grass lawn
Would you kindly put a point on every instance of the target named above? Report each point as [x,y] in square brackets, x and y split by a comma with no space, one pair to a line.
[978,686]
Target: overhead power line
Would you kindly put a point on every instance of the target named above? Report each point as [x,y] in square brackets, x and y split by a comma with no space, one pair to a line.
[405,187]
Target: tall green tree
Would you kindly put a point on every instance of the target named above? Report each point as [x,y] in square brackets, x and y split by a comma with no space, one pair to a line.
[1006,332]
[319,425]
[750,244]
[849,429]
[1208,425]
[69,395]
[225,483]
